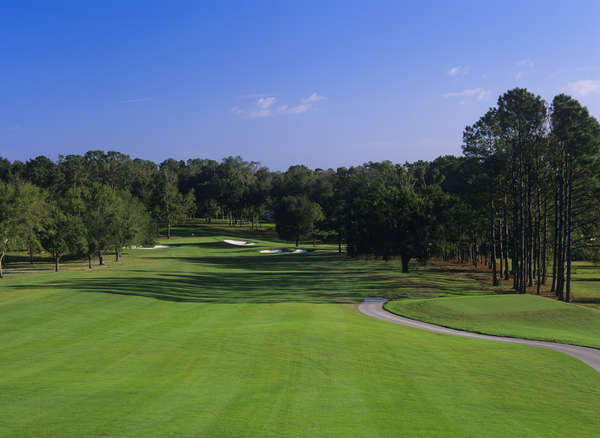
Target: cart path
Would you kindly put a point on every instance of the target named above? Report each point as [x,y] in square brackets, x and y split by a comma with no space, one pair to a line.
[374,307]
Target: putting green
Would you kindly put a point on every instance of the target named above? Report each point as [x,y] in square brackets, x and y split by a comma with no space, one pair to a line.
[210,340]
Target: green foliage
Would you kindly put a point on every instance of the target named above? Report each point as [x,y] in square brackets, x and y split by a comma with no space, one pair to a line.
[29,215]
[23,212]
[295,217]
[130,225]
[169,204]
[63,233]
[8,230]
[390,212]
[100,213]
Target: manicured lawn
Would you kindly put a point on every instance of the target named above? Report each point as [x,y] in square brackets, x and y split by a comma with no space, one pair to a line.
[211,340]
[526,316]
[586,283]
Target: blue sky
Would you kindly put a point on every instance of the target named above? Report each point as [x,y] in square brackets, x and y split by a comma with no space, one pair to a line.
[325,84]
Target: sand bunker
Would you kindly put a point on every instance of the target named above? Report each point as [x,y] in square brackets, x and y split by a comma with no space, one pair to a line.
[297,251]
[159,247]
[280,251]
[239,242]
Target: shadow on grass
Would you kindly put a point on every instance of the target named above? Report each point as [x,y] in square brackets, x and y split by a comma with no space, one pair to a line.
[219,288]
[278,262]
[219,230]
[586,300]
[276,279]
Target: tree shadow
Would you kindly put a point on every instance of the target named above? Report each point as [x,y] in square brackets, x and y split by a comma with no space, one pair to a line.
[213,287]
[586,300]
[235,259]
[268,279]
[220,230]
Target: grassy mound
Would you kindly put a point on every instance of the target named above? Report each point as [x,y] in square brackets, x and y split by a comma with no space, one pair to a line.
[524,316]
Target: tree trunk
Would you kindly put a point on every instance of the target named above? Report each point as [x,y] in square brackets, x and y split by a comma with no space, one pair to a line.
[545,242]
[515,240]
[569,228]
[169,230]
[31,255]
[56,261]
[405,261]
[530,235]
[1,264]
[555,242]
[89,261]
[568,297]
[505,233]
[538,241]
[560,267]
[500,249]
[493,241]
[116,254]
[100,258]
[522,261]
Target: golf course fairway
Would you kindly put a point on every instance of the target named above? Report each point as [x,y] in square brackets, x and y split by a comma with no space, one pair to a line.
[209,340]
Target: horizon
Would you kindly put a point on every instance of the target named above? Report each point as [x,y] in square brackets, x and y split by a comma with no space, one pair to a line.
[324,86]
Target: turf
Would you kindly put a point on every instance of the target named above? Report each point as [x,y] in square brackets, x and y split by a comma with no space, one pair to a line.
[526,316]
[210,340]
[586,283]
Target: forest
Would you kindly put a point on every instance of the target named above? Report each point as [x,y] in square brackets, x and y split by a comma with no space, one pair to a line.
[523,199]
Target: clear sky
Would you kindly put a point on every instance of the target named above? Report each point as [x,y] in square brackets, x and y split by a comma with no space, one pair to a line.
[325,84]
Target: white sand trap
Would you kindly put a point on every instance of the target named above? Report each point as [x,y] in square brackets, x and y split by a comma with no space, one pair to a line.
[159,247]
[239,242]
[280,251]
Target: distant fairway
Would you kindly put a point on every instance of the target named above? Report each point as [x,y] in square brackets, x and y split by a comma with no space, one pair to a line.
[211,340]
[526,316]
[586,287]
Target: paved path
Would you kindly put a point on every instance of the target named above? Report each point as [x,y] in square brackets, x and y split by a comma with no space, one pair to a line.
[374,307]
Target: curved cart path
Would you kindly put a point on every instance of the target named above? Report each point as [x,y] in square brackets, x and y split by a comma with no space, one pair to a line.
[374,307]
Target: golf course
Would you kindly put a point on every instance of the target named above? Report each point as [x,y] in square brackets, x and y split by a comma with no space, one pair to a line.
[202,338]
[316,219]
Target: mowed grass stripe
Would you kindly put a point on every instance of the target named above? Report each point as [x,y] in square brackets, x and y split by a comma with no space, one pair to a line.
[272,375]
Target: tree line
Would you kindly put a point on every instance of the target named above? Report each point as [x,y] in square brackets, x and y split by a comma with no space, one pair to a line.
[523,199]
[541,173]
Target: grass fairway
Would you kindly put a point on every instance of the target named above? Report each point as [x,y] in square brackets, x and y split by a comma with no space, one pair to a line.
[526,316]
[212,340]
[586,284]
